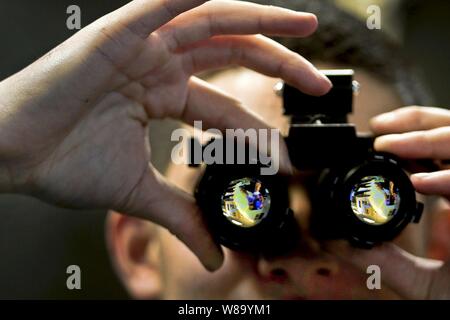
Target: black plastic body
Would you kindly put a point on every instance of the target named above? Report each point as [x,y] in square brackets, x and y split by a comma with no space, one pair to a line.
[319,140]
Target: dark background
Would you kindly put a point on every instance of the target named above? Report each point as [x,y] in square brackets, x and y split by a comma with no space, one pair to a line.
[38,241]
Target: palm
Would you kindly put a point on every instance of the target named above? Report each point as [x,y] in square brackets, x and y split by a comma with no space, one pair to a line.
[114,132]
[100,161]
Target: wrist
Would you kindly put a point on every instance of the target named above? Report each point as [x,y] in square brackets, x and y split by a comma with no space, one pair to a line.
[5,179]
[5,175]
[9,144]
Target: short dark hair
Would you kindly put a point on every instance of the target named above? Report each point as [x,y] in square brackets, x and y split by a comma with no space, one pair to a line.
[345,40]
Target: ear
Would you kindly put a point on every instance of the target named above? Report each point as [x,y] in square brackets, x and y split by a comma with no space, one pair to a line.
[134,250]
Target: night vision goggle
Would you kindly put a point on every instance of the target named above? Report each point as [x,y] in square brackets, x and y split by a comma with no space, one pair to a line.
[356,193]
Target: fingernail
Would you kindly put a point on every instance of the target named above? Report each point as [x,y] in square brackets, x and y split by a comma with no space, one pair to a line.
[420,175]
[381,142]
[307,15]
[390,138]
[427,176]
[327,80]
[327,84]
[382,118]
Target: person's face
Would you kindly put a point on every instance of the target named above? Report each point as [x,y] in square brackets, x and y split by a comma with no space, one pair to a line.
[153,263]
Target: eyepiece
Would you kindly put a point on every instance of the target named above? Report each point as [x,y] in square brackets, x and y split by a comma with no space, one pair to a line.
[375,200]
[246,202]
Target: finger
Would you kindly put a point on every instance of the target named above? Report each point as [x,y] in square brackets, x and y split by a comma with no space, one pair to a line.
[435,183]
[229,113]
[155,199]
[431,144]
[411,277]
[236,17]
[145,16]
[260,54]
[411,118]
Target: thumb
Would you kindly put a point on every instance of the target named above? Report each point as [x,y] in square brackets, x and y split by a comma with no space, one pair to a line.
[410,276]
[155,199]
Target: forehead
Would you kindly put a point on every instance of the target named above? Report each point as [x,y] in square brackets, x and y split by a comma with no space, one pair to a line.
[257,93]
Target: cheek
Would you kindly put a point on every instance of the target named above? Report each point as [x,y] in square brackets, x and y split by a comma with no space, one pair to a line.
[185,278]
[179,266]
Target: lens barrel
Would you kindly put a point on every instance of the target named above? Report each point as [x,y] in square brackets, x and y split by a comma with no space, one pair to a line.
[366,204]
[362,195]
[247,211]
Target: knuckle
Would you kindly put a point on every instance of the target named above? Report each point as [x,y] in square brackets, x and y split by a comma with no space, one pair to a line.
[414,116]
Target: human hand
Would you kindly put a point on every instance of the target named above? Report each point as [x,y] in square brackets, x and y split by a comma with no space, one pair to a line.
[418,132]
[409,132]
[73,125]
[410,277]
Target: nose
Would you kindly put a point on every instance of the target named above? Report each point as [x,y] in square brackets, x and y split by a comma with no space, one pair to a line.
[293,266]
[306,271]
[302,275]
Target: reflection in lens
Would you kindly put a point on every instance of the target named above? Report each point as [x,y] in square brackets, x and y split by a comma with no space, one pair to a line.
[375,200]
[245,202]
